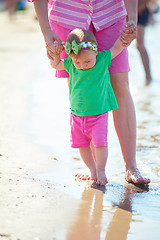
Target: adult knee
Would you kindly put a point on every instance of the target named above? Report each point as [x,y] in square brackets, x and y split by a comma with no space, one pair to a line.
[140,47]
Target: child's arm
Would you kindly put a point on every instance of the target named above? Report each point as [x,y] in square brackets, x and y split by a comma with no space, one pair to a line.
[56,62]
[117,48]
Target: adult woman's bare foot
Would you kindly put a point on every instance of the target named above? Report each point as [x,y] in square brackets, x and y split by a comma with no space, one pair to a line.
[134,176]
[101,178]
[148,82]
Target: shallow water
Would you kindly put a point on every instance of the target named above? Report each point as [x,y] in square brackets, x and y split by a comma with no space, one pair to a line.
[119,210]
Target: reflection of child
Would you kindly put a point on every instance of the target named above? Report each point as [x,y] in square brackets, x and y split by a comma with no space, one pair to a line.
[91,96]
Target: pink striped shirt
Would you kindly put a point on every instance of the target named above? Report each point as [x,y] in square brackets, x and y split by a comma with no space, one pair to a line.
[80,13]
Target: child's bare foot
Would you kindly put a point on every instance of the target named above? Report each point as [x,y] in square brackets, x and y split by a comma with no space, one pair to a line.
[101,178]
[134,176]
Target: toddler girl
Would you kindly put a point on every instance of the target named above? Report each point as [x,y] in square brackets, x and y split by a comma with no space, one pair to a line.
[91,96]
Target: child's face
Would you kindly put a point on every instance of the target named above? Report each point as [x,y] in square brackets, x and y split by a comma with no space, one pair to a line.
[85,59]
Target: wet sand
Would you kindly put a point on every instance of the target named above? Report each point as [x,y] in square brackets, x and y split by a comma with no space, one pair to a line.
[39,198]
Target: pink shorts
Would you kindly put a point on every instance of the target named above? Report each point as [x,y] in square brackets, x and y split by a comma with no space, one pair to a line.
[87,129]
[105,38]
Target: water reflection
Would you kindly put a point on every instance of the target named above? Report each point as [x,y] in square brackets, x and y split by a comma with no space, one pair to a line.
[120,223]
[88,222]
[92,217]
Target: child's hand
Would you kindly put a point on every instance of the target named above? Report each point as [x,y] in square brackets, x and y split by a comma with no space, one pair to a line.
[127,38]
[50,55]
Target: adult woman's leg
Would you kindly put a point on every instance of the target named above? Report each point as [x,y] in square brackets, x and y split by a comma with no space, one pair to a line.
[143,52]
[125,125]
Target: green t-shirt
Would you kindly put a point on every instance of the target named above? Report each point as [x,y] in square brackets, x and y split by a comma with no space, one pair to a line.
[90,91]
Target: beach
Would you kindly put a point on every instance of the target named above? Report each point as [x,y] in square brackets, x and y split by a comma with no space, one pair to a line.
[39,198]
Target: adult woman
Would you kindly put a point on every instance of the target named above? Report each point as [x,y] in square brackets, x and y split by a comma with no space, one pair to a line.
[144,15]
[102,17]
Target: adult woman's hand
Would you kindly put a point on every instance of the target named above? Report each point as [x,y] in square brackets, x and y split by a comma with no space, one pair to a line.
[50,38]
[129,33]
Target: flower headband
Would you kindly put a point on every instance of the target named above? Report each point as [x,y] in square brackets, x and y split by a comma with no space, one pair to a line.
[75,47]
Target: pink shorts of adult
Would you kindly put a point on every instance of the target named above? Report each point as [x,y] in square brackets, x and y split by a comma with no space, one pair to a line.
[105,39]
[87,129]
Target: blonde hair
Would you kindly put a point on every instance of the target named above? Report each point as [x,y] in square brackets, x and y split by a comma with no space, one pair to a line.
[81,35]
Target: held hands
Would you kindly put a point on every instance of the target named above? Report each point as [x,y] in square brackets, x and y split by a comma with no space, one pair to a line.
[55,59]
[56,49]
[130,26]
[52,47]
[129,33]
